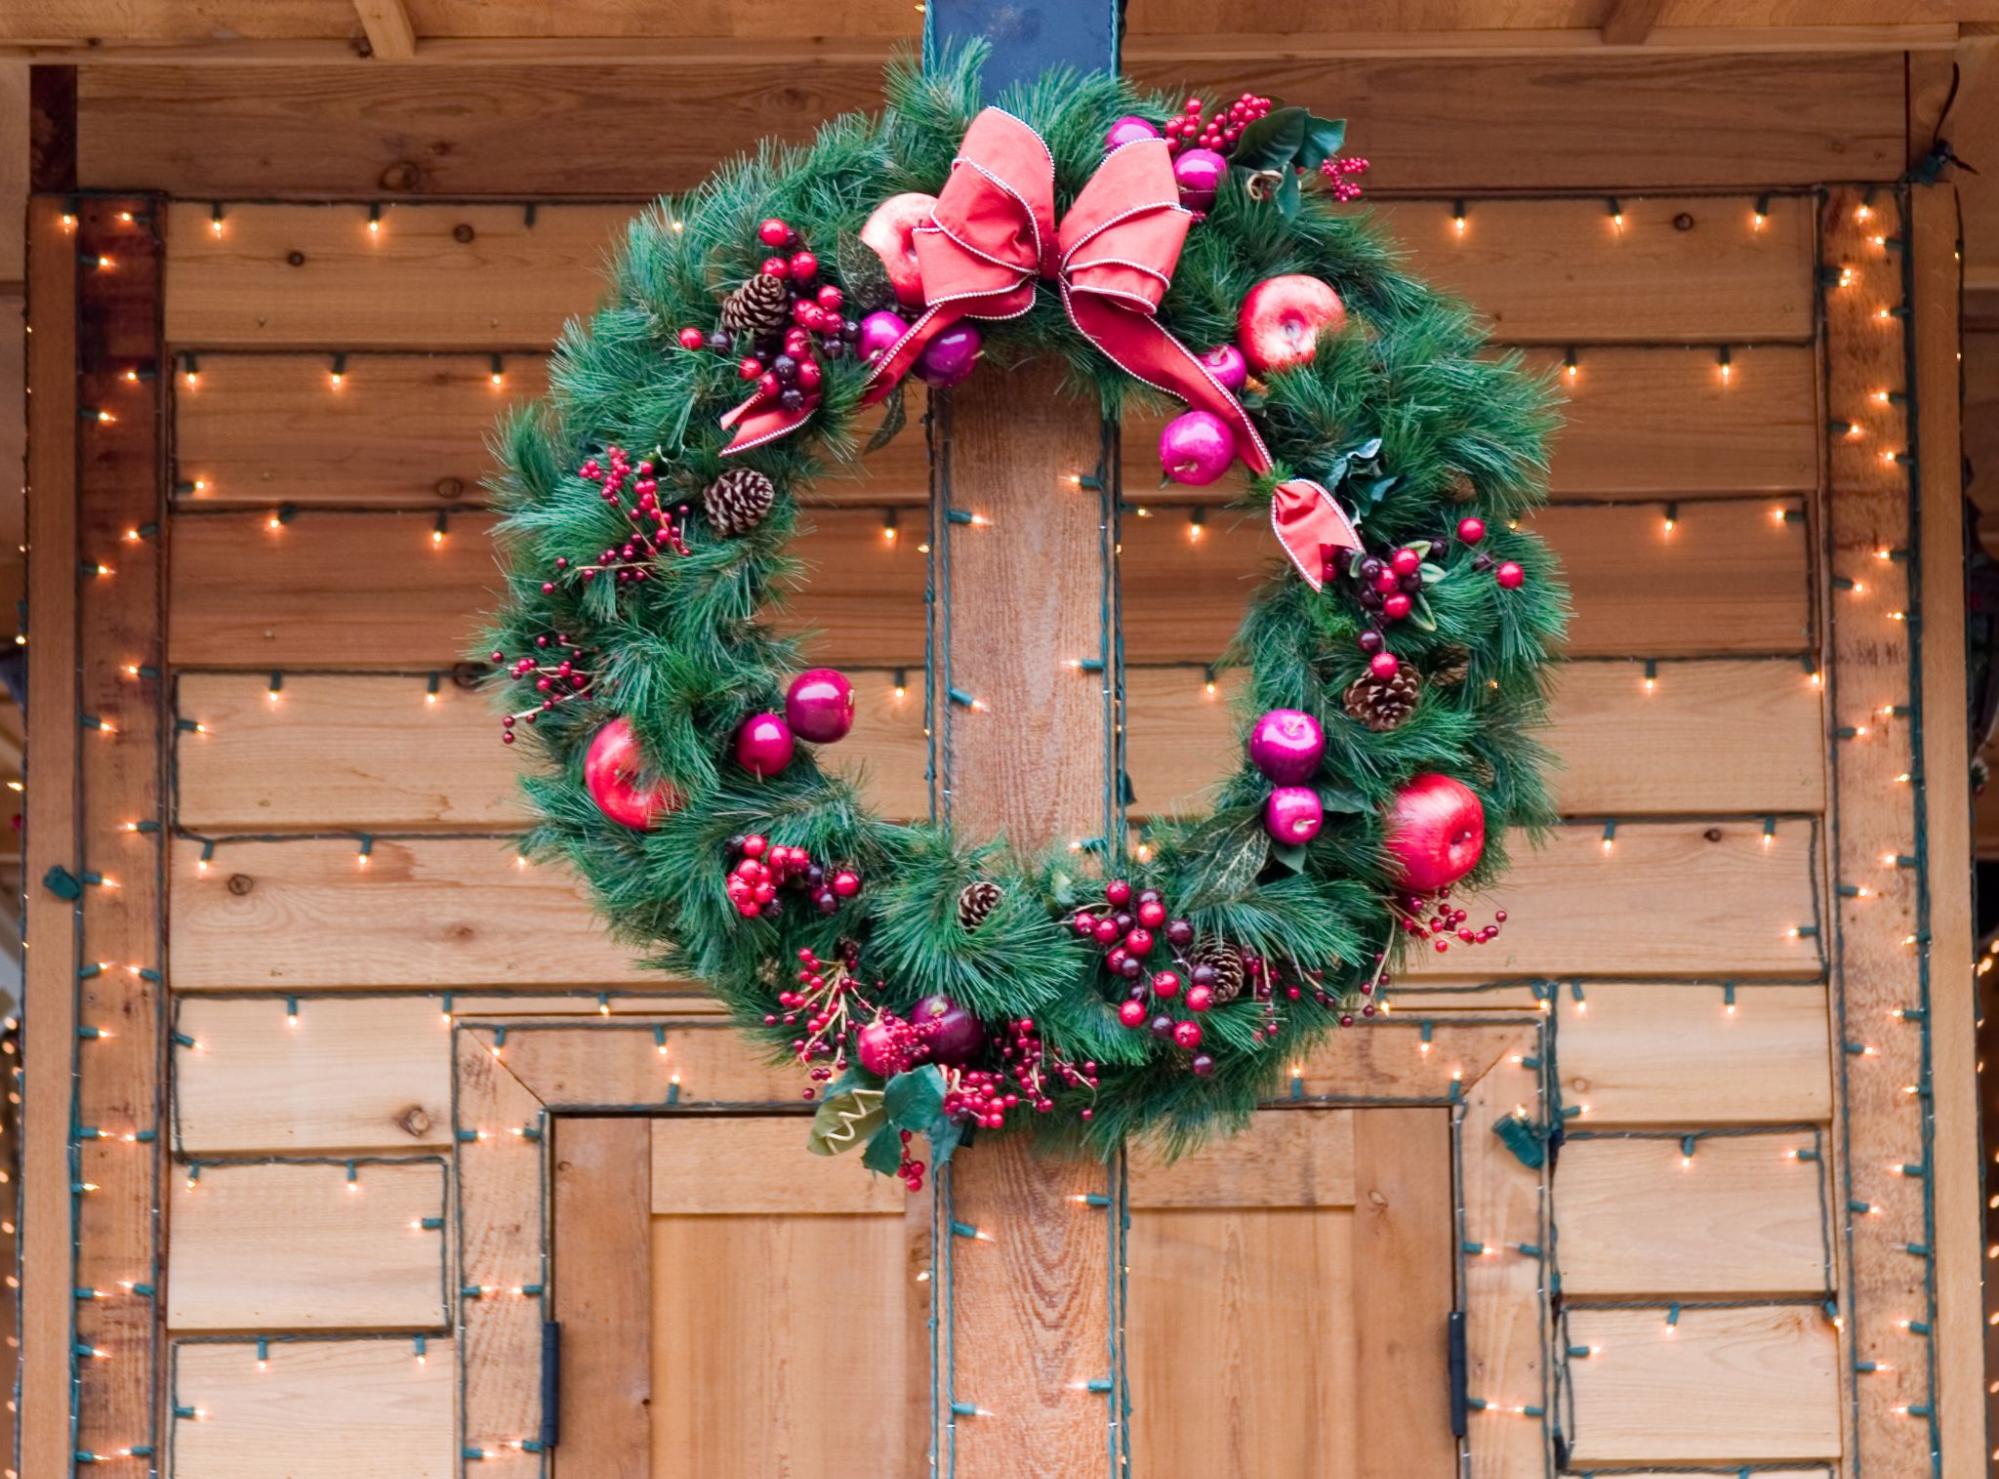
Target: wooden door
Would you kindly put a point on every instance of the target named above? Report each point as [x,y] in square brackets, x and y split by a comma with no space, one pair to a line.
[731,1306]
[1288,1297]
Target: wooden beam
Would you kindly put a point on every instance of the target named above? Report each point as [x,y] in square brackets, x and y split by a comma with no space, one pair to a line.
[391,37]
[1630,22]
[49,1210]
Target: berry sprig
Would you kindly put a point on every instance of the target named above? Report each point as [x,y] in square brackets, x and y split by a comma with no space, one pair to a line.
[826,1002]
[1388,581]
[560,671]
[656,530]
[1026,1075]
[1433,917]
[760,870]
[910,1170]
[1130,929]
[1341,174]
[1190,130]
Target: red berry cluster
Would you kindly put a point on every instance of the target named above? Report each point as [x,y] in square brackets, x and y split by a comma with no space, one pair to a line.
[761,869]
[558,667]
[825,1002]
[1386,582]
[1130,931]
[1433,917]
[1342,173]
[911,1171]
[656,529]
[1026,1075]
[785,363]
[1191,131]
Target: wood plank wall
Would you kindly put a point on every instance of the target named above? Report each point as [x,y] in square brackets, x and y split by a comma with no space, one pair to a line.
[315,652]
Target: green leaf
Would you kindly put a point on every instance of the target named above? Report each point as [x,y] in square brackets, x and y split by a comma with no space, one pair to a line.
[884,1152]
[1227,852]
[915,1098]
[945,1133]
[1368,450]
[1323,138]
[1287,195]
[1290,854]
[1341,802]
[1431,574]
[862,274]
[1273,141]
[895,417]
[1421,616]
[844,1120]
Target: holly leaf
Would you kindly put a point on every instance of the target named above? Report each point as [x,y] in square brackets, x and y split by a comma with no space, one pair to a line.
[1290,854]
[1323,138]
[844,1120]
[945,1133]
[1273,141]
[915,1099]
[1420,615]
[884,1152]
[1368,450]
[1339,802]
[1431,573]
[894,417]
[1287,195]
[1232,849]
[862,274]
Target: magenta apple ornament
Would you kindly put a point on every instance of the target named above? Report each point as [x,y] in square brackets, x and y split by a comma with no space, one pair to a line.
[881,331]
[1226,364]
[1196,448]
[819,705]
[613,774]
[953,1035]
[1199,174]
[1293,815]
[949,358]
[1129,130]
[1436,832]
[1287,746]
[764,745]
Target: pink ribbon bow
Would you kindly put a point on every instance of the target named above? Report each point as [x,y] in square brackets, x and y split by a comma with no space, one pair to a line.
[993,235]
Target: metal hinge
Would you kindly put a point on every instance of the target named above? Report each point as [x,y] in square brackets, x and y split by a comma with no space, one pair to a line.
[551,1383]
[1454,1335]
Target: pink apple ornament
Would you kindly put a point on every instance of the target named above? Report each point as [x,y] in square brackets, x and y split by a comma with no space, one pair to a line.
[1287,746]
[819,705]
[1436,832]
[1293,815]
[613,768]
[1283,318]
[949,359]
[1226,364]
[891,233]
[1196,448]
[764,745]
[1199,174]
[1129,130]
[881,331]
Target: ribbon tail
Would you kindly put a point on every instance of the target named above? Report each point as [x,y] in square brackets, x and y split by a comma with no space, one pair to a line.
[1310,524]
[757,421]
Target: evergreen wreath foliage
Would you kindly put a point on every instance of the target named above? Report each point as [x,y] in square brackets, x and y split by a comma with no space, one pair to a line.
[1406,415]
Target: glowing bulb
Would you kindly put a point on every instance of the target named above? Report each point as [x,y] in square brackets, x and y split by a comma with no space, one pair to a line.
[1863,212]
[337,377]
[1758,219]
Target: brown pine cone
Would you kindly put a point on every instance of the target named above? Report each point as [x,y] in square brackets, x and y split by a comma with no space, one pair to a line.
[1383,703]
[1227,966]
[975,902]
[1451,668]
[738,500]
[759,306]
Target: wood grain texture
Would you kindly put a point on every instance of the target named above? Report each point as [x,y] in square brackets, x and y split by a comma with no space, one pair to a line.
[718,1168]
[350,1409]
[1570,906]
[456,129]
[48,1209]
[1665,1056]
[602,1179]
[291,1247]
[1023,596]
[368,1075]
[577,1067]
[440,912]
[1303,1159]
[1739,1217]
[1764,1382]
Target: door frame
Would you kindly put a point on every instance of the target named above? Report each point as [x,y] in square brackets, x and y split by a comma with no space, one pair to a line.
[510,1077]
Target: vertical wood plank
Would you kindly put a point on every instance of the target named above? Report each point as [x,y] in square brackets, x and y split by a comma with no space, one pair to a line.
[48,1212]
[1024,595]
[1402,1288]
[1954,1180]
[120,494]
[603,1294]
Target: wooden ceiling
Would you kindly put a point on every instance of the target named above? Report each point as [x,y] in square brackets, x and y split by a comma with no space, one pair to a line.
[634,30]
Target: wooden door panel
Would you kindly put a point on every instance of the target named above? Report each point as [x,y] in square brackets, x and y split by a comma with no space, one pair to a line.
[1287,1300]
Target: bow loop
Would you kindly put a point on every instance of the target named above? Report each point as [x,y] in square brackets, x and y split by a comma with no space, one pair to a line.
[1122,238]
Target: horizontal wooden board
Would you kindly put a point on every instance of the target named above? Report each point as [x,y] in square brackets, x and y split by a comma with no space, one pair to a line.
[1741,1216]
[1722,1386]
[371,1075]
[446,911]
[379,752]
[1560,271]
[407,430]
[1285,1159]
[1633,1054]
[348,1409]
[1585,121]
[292,1247]
[1547,271]
[721,1167]
[1572,910]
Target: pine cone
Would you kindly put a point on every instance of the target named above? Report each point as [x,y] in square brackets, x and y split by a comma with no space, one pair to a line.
[975,902]
[759,306]
[738,500]
[1383,703]
[1459,487]
[1222,958]
[1451,668]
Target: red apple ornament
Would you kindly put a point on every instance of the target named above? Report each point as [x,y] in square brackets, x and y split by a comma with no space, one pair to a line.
[764,745]
[612,768]
[1196,448]
[891,233]
[1436,832]
[819,705]
[1283,318]
[954,1034]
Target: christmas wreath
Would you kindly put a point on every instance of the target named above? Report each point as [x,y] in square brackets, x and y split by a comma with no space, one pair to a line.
[935,985]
